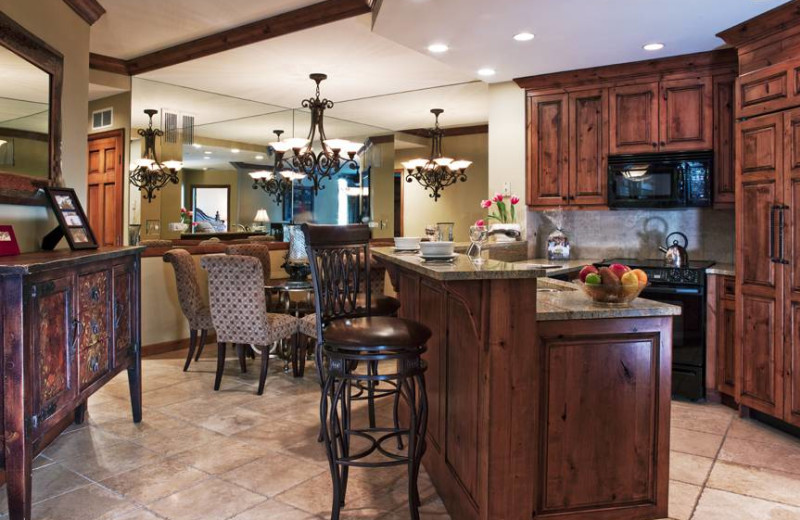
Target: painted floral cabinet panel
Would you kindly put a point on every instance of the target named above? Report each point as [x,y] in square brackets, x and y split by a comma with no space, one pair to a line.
[123,310]
[94,293]
[52,331]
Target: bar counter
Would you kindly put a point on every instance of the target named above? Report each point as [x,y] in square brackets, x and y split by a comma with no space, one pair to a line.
[542,404]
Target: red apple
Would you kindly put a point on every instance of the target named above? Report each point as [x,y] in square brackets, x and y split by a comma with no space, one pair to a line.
[586,271]
[619,269]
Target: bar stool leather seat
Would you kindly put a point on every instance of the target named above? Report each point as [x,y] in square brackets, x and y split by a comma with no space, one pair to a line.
[376,331]
[381,305]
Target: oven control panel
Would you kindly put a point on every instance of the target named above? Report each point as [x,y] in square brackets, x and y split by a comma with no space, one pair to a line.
[675,275]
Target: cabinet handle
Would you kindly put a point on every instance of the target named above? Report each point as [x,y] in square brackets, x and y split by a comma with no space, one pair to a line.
[564,197]
[655,144]
[663,143]
[117,316]
[772,210]
[76,328]
[781,259]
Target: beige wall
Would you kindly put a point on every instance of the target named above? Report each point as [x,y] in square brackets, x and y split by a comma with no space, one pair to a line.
[507,139]
[31,157]
[58,25]
[380,158]
[460,203]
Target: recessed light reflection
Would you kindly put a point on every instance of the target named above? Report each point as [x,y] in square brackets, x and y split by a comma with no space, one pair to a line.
[523,37]
[438,48]
[655,46]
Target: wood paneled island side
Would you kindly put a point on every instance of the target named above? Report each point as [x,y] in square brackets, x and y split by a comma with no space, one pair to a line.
[556,408]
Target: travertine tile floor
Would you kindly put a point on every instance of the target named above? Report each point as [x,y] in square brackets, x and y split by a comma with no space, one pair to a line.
[208,455]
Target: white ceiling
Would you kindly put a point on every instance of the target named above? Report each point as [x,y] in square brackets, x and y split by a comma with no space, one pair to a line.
[570,34]
[130,29]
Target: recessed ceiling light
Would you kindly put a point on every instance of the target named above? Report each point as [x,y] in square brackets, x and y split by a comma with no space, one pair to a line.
[197,145]
[486,72]
[655,46]
[234,150]
[438,48]
[259,157]
[523,37]
[207,152]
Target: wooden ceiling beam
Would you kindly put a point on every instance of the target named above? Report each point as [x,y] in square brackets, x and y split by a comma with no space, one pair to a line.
[450,132]
[108,64]
[89,10]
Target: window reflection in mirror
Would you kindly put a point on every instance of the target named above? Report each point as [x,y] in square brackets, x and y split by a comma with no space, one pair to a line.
[210,208]
[24,116]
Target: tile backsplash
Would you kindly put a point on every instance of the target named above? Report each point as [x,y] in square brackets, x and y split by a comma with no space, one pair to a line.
[635,233]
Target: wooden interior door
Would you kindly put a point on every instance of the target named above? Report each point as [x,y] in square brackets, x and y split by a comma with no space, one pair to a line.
[548,150]
[105,202]
[686,117]
[759,294]
[588,142]
[791,254]
[633,118]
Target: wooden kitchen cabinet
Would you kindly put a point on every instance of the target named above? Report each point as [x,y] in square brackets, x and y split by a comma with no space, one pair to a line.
[588,147]
[633,119]
[721,336]
[548,154]
[686,115]
[790,253]
[724,157]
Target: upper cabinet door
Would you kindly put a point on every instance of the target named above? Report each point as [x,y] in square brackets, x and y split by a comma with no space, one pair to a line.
[548,150]
[686,115]
[588,147]
[724,171]
[633,118]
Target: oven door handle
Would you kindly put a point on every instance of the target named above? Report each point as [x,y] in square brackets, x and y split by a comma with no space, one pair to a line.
[671,290]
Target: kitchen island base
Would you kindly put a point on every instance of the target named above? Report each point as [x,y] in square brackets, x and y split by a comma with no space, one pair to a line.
[564,419]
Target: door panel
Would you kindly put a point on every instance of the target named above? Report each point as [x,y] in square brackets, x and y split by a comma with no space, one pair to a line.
[105,187]
[548,151]
[686,115]
[123,311]
[757,267]
[633,118]
[432,315]
[726,348]
[52,338]
[94,298]
[791,254]
[724,171]
[761,355]
[588,138]
[792,362]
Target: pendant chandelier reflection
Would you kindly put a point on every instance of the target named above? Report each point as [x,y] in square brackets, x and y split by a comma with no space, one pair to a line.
[278,182]
[148,174]
[437,172]
[335,155]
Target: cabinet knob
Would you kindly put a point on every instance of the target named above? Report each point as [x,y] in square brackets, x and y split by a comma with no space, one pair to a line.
[655,145]
[663,143]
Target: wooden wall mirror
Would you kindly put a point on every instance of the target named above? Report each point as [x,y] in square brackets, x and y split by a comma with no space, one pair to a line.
[30,115]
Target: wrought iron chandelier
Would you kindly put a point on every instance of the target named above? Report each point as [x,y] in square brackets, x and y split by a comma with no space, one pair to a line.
[335,155]
[148,174]
[278,182]
[437,172]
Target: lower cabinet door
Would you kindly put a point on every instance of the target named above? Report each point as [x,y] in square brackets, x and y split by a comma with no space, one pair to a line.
[792,408]
[52,333]
[726,348]
[123,308]
[94,298]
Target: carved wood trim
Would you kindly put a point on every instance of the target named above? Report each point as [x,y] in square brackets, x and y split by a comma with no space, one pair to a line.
[773,21]
[477,322]
[89,10]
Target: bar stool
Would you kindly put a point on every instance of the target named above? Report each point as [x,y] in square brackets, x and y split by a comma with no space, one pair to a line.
[349,337]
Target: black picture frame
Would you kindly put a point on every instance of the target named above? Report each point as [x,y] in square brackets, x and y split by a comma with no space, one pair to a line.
[72,222]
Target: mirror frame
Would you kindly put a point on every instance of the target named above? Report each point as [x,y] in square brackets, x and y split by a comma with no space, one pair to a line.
[24,189]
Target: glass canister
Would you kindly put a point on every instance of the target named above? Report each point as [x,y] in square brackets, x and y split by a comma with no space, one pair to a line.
[557,245]
[445,231]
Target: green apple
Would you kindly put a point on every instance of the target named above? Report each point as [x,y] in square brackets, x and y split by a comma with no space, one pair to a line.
[593,279]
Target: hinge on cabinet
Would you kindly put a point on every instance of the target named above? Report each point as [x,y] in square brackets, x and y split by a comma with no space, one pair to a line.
[30,293]
[133,350]
[33,422]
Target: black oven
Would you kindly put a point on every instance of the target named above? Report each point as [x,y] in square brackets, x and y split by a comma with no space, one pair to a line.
[660,180]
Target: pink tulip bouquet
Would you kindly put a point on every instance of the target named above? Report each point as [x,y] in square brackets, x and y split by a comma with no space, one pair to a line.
[186,216]
[505,211]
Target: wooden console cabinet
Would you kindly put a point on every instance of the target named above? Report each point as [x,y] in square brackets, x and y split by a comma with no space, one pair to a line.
[70,323]
[576,119]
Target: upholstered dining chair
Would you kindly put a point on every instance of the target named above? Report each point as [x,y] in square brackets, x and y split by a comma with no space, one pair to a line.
[260,251]
[194,308]
[239,310]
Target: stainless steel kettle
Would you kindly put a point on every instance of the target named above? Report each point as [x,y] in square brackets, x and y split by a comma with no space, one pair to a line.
[675,255]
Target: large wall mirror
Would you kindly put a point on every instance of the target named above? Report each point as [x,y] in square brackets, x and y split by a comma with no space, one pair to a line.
[30,113]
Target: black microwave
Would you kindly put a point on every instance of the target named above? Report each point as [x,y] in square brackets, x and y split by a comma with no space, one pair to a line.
[660,180]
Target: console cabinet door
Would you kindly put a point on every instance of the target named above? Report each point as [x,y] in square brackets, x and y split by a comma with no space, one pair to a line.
[633,118]
[124,320]
[548,150]
[791,254]
[759,295]
[94,302]
[686,117]
[588,147]
[52,331]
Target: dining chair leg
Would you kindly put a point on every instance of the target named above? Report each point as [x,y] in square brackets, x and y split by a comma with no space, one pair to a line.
[192,346]
[221,347]
[262,379]
[302,347]
[240,350]
[203,337]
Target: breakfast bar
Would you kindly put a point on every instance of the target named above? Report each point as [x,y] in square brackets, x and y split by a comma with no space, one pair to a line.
[542,403]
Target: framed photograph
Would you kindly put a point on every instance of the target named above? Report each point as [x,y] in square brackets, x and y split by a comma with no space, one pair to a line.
[72,221]
[152,227]
[8,241]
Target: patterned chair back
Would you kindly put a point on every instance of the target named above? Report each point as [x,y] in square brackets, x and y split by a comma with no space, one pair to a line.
[260,251]
[236,297]
[339,258]
[186,282]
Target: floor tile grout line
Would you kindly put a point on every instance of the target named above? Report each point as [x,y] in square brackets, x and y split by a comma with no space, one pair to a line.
[714,462]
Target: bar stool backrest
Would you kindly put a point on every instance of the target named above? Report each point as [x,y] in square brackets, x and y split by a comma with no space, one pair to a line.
[339,258]
[236,296]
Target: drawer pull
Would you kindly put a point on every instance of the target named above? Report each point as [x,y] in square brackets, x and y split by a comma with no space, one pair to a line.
[94,363]
[117,315]
[76,332]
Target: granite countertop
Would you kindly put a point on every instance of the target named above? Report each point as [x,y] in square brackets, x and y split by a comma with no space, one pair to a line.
[461,269]
[568,302]
[563,266]
[722,269]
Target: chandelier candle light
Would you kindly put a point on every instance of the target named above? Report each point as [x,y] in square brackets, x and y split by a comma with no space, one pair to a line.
[436,172]
[278,182]
[335,155]
[148,174]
